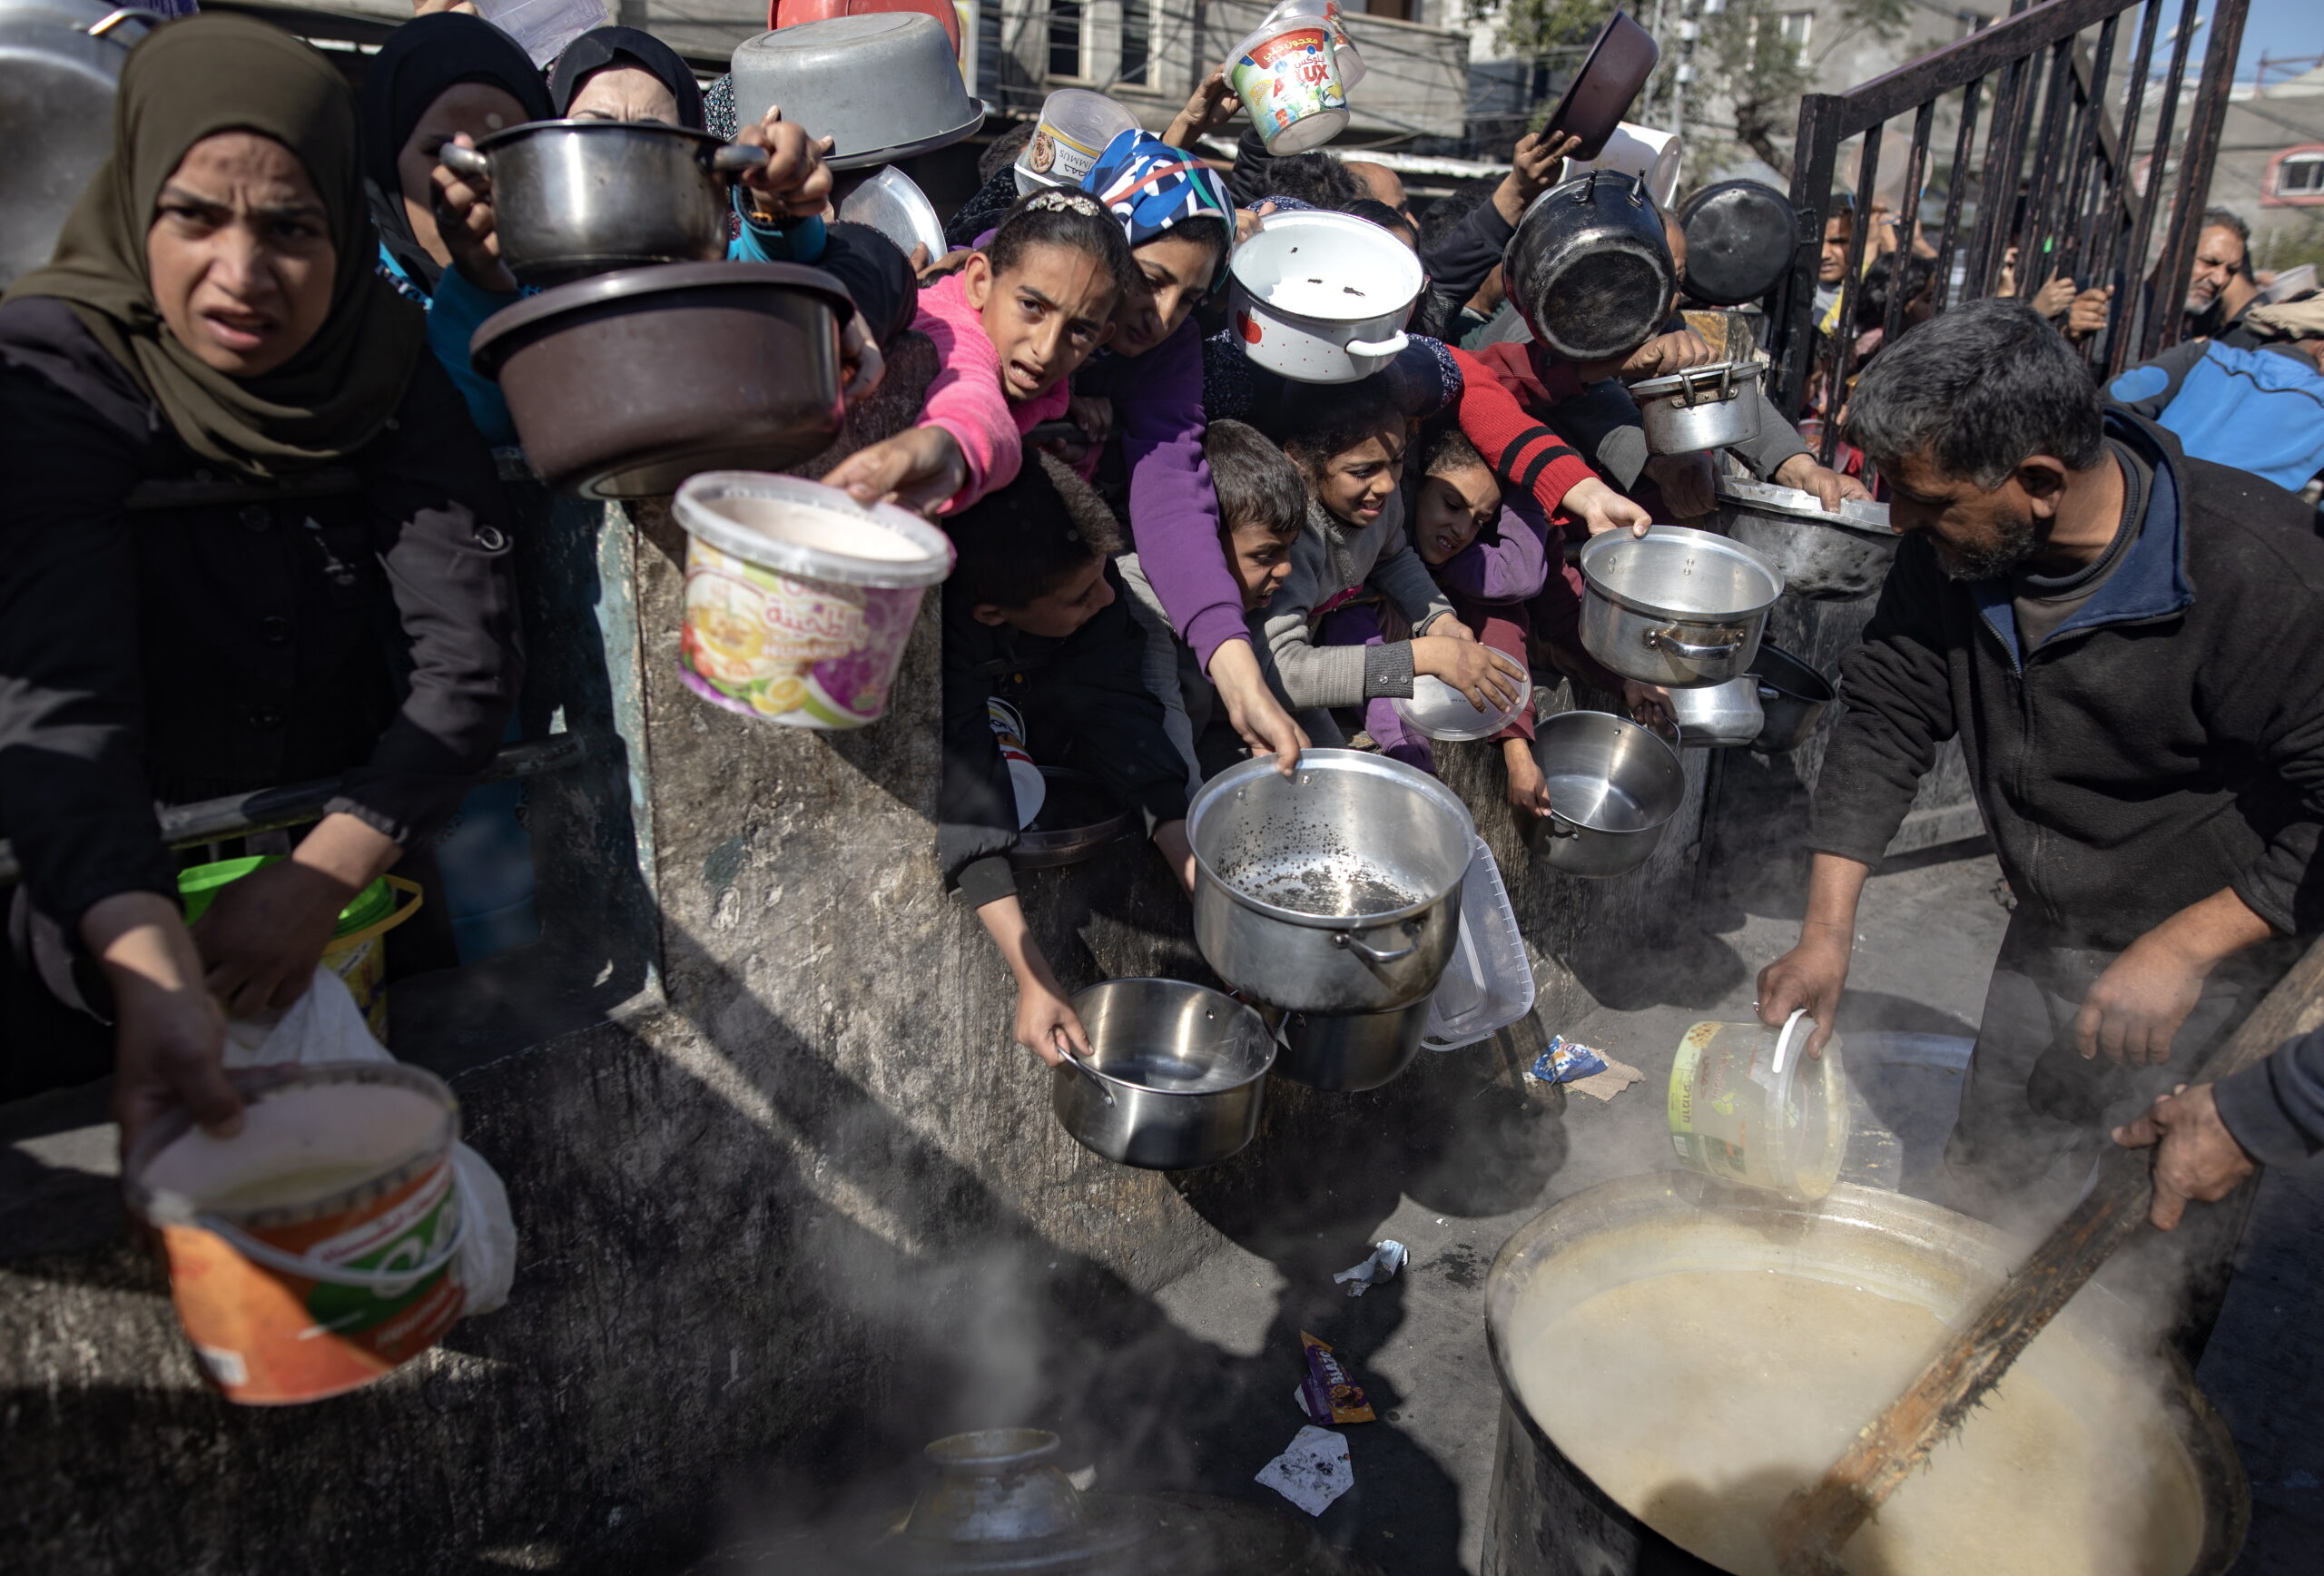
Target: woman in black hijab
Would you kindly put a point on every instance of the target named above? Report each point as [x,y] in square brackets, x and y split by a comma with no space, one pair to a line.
[439,78]
[252,539]
[621,73]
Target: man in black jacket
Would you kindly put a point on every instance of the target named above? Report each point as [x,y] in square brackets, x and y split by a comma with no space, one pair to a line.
[2130,644]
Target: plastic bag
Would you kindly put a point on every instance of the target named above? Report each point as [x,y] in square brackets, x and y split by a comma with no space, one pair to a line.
[325,1025]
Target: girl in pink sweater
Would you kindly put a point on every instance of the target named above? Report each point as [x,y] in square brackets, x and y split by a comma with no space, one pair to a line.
[1010,328]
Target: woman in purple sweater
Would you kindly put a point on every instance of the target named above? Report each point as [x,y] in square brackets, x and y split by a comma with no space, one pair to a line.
[1145,388]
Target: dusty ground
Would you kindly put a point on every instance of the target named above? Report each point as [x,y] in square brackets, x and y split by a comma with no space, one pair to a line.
[1930,933]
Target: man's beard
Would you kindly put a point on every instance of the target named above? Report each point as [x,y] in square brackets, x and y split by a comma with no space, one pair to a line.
[2199,303]
[2015,541]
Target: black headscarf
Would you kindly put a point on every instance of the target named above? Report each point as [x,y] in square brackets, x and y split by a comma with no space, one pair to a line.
[184,81]
[600,47]
[419,60]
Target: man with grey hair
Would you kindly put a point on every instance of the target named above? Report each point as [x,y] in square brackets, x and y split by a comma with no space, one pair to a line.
[2129,646]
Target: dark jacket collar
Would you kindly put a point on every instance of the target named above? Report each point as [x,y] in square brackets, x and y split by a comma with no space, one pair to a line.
[2151,581]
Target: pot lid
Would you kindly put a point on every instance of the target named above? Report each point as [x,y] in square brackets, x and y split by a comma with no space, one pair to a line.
[1701,385]
[503,332]
[1767,498]
[1740,241]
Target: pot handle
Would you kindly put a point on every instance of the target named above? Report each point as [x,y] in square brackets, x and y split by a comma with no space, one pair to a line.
[1391,347]
[736,158]
[1668,640]
[1085,1070]
[466,162]
[1372,954]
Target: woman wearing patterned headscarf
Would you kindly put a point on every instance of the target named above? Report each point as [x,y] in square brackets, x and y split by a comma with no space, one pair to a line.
[252,539]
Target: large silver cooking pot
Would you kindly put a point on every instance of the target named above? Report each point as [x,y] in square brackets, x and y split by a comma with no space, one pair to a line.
[1714,715]
[60,60]
[1826,556]
[1675,606]
[1589,268]
[1545,1517]
[576,198]
[1336,889]
[1175,1076]
[1699,407]
[1351,1050]
[1613,788]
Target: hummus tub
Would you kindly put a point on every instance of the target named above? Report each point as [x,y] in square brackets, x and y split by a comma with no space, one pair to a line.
[799,599]
[315,1250]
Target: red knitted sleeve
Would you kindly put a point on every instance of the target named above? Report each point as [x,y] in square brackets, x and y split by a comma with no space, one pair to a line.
[1522,451]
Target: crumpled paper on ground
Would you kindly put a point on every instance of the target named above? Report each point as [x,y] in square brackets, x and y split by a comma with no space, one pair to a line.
[1312,1472]
[1387,1258]
[1578,1067]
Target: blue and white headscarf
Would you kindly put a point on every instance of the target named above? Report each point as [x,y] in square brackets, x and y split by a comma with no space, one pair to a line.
[1151,187]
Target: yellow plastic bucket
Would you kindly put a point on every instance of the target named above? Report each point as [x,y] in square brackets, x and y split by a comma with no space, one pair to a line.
[355,954]
[1748,1105]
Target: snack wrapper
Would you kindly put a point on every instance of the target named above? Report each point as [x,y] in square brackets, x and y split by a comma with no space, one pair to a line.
[1327,1394]
[1565,1061]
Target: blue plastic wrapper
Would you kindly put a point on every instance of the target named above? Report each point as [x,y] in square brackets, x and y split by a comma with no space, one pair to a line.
[1565,1061]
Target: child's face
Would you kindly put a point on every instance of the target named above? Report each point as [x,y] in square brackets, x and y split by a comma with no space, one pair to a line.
[1261,561]
[1453,507]
[1045,316]
[1357,483]
[1081,597]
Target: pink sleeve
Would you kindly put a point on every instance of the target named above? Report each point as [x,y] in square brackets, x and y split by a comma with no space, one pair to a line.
[964,397]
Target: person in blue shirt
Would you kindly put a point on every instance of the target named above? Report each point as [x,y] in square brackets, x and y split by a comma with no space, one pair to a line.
[2261,410]
[437,78]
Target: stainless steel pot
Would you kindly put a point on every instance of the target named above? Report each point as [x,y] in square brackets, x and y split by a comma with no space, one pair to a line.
[1716,715]
[884,86]
[1613,788]
[1792,694]
[576,198]
[1336,889]
[1825,556]
[60,60]
[1589,269]
[1675,606]
[1699,407]
[1175,1076]
[1351,1050]
[1545,1517]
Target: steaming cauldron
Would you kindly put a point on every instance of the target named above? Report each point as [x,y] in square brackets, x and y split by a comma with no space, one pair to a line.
[1547,1517]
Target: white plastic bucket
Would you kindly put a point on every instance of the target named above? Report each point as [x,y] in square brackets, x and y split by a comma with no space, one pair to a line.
[1075,126]
[799,599]
[318,1248]
[1650,155]
[1288,75]
[1747,1104]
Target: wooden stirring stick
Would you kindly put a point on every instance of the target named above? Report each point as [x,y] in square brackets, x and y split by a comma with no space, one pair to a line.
[1813,1524]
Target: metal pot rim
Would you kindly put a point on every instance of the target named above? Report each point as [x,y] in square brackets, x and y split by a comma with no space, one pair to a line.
[1599,547]
[1249,771]
[1734,377]
[1267,1065]
[1325,327]
[500,335]
[509,137]
[1795,505]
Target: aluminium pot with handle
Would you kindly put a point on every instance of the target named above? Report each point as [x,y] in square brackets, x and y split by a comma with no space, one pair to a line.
[1589,268]
[1614,787]
[1699,407]
[1174,1078]
[1322,298]
[1676,606]
[1336,889]
[576,198]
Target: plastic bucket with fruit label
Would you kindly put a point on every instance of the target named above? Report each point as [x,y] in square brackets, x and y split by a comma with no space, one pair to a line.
[1747,1104]
[317,1249]
[799,600]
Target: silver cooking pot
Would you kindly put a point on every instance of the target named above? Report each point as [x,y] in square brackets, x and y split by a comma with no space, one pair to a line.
[1718,714]
[60,60]
[1822,554]
[1336,889]
[1699,407]
[1351,1050]
[1589,268]
[1613,788]
[1675,606]
[1792,694]
[1175,1076]
[576,198]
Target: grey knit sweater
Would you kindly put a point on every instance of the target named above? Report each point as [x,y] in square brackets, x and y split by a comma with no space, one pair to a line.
[1329,558]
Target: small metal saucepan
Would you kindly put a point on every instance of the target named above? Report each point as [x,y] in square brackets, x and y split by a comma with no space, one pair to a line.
[1613,788]
[1175,1076]
[1675,606]
[1699,407]
[1718,714]
[1793,696]
[1349,1051]
[576,198]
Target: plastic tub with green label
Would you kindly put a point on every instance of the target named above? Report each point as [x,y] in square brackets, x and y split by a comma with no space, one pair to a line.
[355,954]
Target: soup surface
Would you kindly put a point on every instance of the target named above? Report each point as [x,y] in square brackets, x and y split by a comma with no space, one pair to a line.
[1700,1399]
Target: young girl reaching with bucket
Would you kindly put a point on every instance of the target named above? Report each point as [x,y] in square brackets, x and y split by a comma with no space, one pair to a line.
[1009,329]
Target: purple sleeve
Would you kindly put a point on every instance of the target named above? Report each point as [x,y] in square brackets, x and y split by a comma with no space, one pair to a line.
[1509,570]
[1173,512]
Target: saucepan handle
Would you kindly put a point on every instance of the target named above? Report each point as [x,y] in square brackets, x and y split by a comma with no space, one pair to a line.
[1085,1070]
[1372,954]
[1668,640]
[736,158]
[464,162]
[1389,346]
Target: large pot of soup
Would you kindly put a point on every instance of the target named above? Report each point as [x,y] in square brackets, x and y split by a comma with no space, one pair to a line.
[1676,1355]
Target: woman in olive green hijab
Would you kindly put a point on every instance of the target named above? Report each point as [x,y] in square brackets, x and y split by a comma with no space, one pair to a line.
[232,469]
[312,402]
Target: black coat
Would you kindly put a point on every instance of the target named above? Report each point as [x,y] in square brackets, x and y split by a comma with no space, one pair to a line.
[2163,743]
[169,633]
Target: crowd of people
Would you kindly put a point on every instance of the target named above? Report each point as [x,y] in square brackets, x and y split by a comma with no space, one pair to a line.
[259,539]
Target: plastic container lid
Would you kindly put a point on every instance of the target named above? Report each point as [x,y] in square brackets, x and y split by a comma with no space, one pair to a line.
[1075,127]
[796,527]
[1488,983]
[892,204]
[199,885]
[1438,710]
